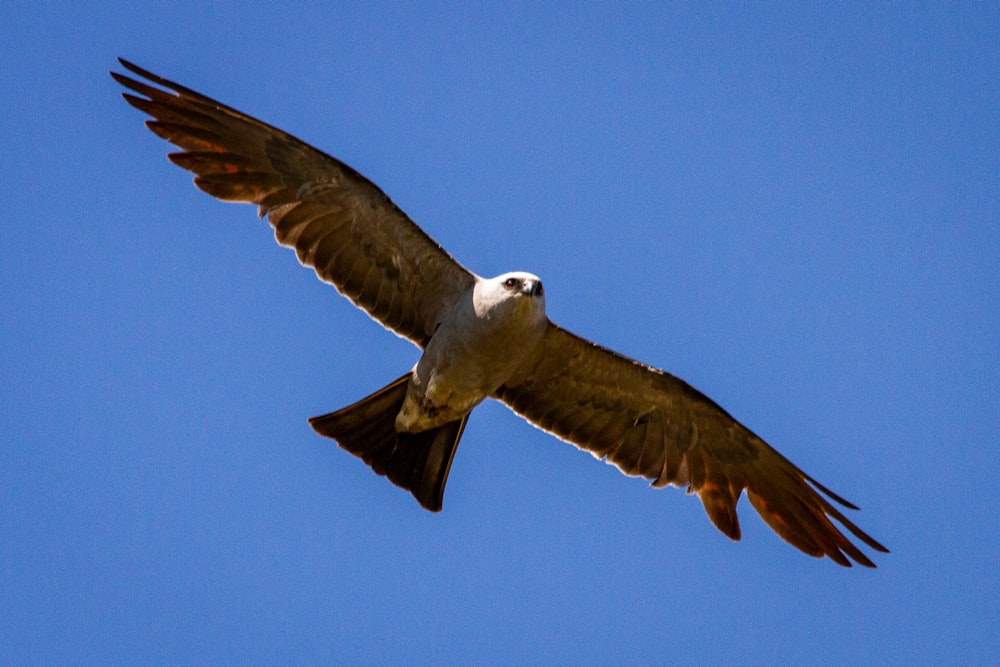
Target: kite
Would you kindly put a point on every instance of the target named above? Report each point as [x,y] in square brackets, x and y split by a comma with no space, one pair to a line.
[480,338]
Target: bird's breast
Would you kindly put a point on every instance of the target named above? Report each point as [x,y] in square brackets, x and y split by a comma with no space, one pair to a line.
[467,359]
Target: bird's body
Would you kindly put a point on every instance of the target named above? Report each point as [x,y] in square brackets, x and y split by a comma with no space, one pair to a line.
[480,338]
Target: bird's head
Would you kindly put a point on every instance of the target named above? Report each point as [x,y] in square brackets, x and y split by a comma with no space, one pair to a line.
[516,290]
[519,283]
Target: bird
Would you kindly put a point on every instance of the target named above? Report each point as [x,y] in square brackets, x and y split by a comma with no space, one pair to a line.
[481,338]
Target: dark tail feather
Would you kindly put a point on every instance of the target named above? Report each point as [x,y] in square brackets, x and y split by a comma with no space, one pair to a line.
[418,462]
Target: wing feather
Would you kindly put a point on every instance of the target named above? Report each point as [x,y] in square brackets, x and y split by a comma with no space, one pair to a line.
[337,221]
[649,423]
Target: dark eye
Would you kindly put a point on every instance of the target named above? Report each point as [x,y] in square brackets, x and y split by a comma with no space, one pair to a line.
[510,283]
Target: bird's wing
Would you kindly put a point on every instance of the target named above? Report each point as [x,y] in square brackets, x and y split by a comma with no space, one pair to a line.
[652,424]
[338,222]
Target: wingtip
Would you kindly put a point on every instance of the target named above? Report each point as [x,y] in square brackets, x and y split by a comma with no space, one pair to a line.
[132,67]
[879,547]
[149,77]
[124,63]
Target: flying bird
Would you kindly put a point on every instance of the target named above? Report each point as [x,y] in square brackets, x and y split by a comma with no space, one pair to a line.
[480,338]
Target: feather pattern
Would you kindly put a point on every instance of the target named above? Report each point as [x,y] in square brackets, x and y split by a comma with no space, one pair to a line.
[651,424]
[337,221]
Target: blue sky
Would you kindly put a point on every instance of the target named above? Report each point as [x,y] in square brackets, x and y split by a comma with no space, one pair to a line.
[796,210]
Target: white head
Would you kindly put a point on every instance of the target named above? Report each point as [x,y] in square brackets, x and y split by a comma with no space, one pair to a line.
[517,290]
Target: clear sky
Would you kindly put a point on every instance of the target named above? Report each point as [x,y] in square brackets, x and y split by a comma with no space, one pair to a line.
[795,210]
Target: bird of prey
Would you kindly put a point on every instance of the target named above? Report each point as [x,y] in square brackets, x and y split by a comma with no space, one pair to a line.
[480,338]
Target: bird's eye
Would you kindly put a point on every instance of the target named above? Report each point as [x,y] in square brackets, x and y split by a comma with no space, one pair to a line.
[510,283]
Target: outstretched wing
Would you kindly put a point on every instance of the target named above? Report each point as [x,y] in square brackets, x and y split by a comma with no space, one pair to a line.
[338,222]
[652,424]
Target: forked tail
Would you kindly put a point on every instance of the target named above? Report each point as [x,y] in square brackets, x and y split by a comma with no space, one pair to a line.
[418,462]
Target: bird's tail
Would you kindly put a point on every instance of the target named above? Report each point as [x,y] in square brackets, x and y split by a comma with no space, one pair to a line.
[418,462]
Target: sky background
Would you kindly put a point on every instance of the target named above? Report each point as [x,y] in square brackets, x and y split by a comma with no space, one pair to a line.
[797,210]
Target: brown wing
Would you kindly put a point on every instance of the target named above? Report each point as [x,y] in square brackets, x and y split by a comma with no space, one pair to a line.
[652,424]
[338,222]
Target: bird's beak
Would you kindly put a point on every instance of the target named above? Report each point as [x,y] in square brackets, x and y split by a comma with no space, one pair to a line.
[535,288]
